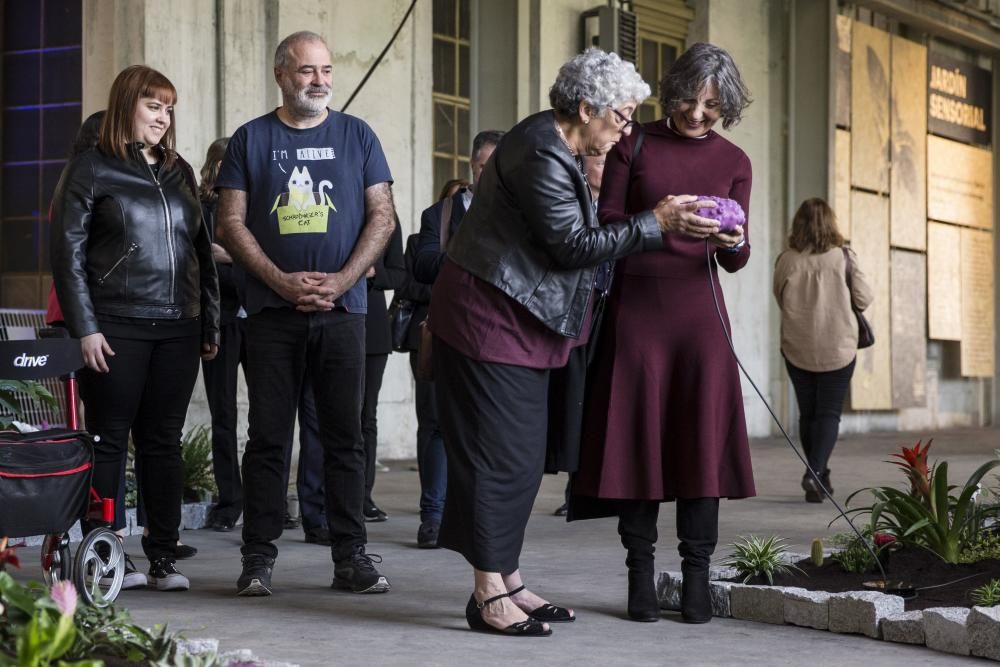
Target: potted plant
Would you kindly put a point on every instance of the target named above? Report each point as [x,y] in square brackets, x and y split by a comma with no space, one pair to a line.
[196,453]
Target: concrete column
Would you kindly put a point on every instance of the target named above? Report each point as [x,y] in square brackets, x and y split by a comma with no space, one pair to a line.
[728,23]
[113,38]
[494,81]
[246,39]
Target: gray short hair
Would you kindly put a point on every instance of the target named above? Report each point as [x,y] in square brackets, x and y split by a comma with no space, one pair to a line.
[281,53]
[599,79]
[699,65]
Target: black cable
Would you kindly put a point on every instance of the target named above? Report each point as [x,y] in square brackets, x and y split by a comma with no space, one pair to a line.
[378,60]
[722,322]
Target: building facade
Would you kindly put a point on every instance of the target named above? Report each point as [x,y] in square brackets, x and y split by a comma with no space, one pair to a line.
[872,104]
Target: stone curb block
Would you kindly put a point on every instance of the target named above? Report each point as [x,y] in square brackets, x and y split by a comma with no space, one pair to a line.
[905,628]
[720,594]
[668,590]
[807,609]
[861,612]
[944,629]
[764,604]
[197,646]
[984,632]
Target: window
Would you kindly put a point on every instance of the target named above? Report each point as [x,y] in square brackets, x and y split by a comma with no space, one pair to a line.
[451,91]
[655,58]
[40,100]
[663,27]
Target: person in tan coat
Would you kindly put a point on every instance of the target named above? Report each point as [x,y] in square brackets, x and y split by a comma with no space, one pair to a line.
[819,331]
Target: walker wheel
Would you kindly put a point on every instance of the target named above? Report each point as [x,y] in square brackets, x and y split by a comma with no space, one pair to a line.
[57,561]
[99,567]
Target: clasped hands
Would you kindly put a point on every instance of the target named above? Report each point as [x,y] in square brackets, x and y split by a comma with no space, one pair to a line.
[676,213]
[313,291]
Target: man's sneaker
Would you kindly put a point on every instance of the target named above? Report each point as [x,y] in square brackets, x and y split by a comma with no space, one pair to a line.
[256,578]
[166,577]
[427,535]
[133,578]
[358,574]
[373,514]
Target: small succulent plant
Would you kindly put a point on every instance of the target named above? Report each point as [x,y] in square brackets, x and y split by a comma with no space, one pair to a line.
[987,595]
[816,552]
[759,558]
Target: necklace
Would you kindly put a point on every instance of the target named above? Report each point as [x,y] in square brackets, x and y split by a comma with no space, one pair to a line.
[562,136]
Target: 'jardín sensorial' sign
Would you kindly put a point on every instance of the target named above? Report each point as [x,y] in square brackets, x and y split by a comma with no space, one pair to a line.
[958,99]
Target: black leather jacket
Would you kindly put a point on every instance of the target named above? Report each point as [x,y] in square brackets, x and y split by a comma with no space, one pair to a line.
[531,230]
[129,242]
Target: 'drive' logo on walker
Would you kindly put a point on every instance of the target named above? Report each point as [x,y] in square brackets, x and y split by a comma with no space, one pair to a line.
[26,361]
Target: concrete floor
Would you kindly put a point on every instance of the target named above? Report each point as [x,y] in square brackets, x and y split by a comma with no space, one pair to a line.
[421,622]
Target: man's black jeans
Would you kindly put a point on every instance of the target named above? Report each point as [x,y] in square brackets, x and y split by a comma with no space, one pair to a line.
[283,347]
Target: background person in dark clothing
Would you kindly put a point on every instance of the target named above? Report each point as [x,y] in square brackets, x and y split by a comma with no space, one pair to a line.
[431,462]
[220,374]
[388,273]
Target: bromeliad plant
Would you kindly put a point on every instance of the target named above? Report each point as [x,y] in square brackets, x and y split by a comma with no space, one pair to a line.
[759,558]
[932,514]
[987,595]
[39,628]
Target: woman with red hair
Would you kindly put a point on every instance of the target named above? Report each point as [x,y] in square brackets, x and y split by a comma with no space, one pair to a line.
[132,265]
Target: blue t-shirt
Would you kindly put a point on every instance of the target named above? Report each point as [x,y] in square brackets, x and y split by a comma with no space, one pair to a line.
[305,197]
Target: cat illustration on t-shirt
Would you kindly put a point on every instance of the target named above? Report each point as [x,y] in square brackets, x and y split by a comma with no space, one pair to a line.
[300,189]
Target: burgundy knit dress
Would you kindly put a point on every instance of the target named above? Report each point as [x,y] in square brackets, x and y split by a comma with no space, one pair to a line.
[664,416]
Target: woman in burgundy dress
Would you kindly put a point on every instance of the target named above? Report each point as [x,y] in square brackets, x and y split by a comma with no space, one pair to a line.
[664,418]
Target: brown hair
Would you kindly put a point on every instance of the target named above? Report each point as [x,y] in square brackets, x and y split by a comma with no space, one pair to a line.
[117,131]
[210,170]
[450,185]
[814,228]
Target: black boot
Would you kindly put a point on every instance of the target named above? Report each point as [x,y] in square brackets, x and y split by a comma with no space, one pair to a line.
[637,527]
[698,531]
[642,603]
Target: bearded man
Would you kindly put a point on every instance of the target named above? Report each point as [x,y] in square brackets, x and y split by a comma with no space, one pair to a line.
[305,209]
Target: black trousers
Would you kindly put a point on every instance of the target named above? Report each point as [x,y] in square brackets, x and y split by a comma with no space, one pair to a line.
[494,418]
[220,377]
[374,371]
[431,458]
[697,529]
[283,347]
[821,402]
[309,477]
[146,391]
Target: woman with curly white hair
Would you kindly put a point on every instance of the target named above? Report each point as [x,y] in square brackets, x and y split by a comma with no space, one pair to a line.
[514,297]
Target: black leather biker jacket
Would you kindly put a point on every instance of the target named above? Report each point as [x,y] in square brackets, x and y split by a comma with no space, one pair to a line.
[127,241]
[531,230]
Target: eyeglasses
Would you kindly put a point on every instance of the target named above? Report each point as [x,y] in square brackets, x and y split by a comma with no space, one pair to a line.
[626,122]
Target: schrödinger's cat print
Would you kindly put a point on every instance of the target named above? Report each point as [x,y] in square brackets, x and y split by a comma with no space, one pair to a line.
[300,209]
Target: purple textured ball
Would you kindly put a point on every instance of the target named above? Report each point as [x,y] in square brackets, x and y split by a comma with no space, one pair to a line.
[727,211]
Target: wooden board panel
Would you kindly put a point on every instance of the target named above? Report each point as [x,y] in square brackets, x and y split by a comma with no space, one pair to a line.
[908,279]
[871,388]
[21,290]
[869,108]
[977,303]
[944,281]
[908,123]
[842,72]
[959,183]
[842,181]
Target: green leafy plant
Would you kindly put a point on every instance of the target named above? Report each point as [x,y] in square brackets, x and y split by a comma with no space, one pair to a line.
[39,628]
[985,547]
[14,393]
[196,452]
[857,555]
[759,558]
[929,514]
[987,595]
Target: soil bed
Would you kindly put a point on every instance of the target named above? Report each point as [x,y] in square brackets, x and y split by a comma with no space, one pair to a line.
[916,567]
